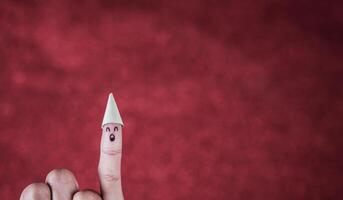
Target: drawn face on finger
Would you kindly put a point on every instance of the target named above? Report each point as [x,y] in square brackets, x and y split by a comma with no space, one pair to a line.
[111,134]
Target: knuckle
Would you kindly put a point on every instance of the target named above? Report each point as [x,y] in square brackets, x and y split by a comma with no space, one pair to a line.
[109,177]
[35,191]
[86,195]
[60,175]
[111,152]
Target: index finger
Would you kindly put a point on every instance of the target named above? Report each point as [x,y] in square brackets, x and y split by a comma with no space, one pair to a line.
[110,153]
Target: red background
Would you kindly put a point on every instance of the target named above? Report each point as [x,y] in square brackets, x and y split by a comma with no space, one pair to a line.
[220,100]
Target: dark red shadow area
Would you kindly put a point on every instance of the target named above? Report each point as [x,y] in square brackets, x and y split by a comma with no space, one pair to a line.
[220,99]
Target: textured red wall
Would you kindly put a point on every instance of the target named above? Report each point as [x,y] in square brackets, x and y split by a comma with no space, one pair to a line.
[221,100]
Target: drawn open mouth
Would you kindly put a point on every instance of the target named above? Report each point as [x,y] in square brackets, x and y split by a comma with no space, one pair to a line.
[112,137]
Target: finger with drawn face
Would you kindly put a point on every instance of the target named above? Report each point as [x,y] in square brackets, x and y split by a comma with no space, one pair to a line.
[110,153]
[110,161]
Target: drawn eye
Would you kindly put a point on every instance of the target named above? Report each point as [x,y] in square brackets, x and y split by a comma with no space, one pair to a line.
[108,129]
[115,128]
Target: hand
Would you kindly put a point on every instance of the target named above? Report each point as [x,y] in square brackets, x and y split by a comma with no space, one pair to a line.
[60,184]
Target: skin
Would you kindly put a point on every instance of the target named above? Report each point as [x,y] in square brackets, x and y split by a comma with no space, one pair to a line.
[61,184]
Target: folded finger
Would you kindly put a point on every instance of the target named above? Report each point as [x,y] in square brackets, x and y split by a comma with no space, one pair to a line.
[86,195]
[36,191]
[63,184]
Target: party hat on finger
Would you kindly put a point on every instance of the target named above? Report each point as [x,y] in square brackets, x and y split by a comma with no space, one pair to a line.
[112,114]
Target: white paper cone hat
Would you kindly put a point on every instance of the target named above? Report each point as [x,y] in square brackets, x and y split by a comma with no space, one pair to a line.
[112,114]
